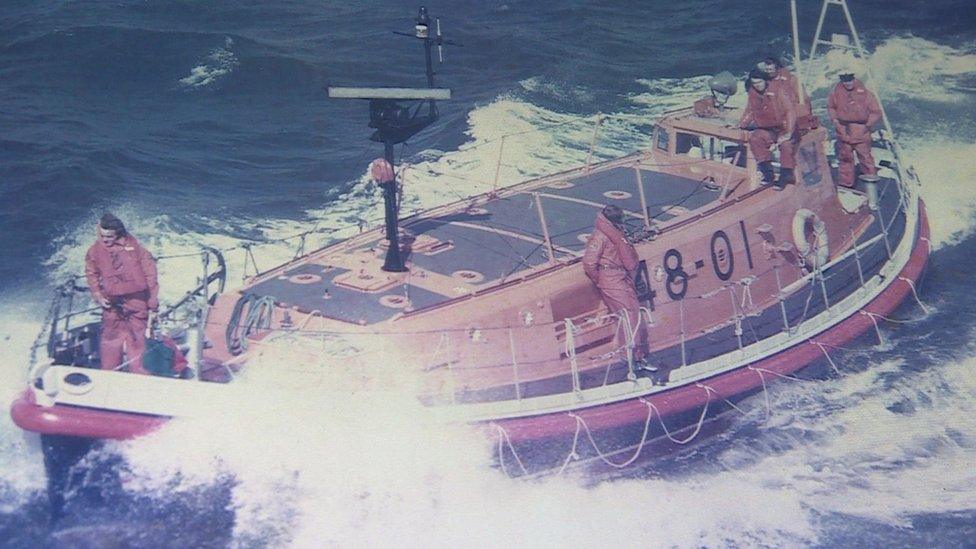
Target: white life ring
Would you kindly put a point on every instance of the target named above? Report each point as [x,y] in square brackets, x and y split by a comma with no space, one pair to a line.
[806,226]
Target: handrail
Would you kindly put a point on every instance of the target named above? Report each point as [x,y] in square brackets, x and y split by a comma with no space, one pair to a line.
[220,276]
[59,320]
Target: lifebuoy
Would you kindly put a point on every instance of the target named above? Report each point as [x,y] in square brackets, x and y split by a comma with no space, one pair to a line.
[810,237]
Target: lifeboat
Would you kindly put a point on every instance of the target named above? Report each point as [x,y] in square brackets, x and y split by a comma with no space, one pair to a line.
[490,320]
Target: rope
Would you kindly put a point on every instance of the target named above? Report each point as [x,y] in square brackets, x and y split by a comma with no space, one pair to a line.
[667,433]
[180,256]
[624,325]
[259,313]
[898,320]
[747,294]
[503,436]
[307,319]
[736,408]
[762,378]
[784,376]
[581,426]
[876,328]
[830,360]
[838,347]
[573,454]
[911,285]
[640,447]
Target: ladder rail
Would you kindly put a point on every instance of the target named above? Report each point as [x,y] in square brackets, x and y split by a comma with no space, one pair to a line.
[858,49]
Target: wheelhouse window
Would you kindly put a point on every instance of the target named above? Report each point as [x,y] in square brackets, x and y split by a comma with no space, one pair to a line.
[689,144]
[662,138]
[727,152]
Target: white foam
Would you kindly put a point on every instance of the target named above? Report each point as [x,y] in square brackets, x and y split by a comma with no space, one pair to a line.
[219,61]
[948,174]
[900,68]
[557,90]
[162,238]
[21,468]
[863,459]
[665,94]
[366,470]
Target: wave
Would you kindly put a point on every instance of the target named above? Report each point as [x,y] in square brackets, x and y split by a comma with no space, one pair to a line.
[21,469]
[361,470]
[948,174]
[886,443]
[219,62]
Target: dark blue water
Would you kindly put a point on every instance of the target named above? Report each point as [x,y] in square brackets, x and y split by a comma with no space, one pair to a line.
[207,123]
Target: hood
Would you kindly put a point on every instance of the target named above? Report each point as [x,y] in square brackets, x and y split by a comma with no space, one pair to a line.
[625,250]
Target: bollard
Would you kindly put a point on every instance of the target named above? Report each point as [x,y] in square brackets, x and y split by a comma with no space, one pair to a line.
[871,186]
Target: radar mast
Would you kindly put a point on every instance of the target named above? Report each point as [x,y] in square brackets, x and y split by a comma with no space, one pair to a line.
[398,114]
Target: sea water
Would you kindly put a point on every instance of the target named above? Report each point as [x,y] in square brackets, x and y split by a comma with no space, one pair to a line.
[206,124]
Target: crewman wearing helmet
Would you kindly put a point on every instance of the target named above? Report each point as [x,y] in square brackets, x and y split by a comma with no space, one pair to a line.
[854,110]
[771,120]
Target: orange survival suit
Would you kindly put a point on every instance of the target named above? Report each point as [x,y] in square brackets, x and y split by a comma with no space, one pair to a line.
[854,112]
[125,274]
[773,115]
[610,261]
[787,83]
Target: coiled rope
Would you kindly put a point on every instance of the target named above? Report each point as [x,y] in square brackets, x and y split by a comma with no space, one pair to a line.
[259,313]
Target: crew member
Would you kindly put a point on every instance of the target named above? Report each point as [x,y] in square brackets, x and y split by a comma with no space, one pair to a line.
[772,121]
[122,279]
[782,79]
[611,262]
[854,110]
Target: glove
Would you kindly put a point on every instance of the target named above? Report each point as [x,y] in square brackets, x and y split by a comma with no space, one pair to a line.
[153,304]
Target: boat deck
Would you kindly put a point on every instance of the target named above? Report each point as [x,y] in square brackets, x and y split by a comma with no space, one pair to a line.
[839,281]
[476,248]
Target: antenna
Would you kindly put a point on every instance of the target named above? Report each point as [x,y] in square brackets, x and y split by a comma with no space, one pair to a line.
[390,113]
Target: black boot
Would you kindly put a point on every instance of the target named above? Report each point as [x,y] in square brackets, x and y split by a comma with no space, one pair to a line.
[785,178]
[766,169]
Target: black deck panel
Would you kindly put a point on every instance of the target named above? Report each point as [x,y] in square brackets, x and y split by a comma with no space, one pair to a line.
[491,254]
[516,213]
[592,186]
[568,220]
[661,191]
[344,304]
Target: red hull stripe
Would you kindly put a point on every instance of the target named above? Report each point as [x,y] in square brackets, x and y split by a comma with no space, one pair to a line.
[76,421]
